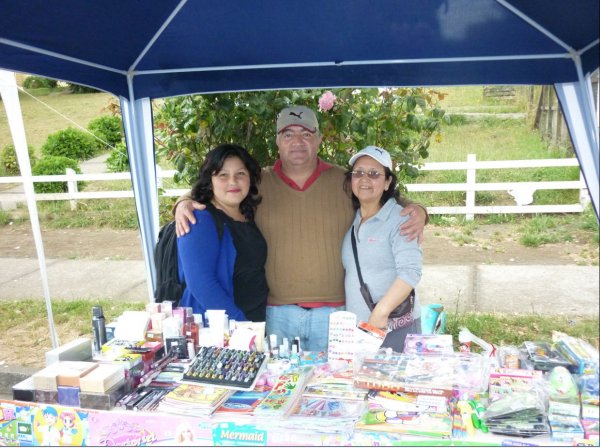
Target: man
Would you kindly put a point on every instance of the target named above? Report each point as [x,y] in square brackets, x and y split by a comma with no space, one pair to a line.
[304,215]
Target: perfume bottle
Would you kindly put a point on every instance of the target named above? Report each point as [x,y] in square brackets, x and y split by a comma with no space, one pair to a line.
[191,331]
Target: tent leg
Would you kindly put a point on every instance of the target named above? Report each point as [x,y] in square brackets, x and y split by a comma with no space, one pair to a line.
[137,120]
[576,99]
[10,97]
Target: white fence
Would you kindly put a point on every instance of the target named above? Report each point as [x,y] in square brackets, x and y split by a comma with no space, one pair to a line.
[521,191]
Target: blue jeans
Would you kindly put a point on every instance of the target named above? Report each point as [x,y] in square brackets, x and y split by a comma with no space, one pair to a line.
[310,325]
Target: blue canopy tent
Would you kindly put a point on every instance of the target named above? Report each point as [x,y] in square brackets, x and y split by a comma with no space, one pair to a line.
[139,50]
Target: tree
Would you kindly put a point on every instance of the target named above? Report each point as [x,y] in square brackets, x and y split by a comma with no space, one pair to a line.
[400,120]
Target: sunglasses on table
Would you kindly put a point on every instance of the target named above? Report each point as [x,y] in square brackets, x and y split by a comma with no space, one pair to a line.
[371,174]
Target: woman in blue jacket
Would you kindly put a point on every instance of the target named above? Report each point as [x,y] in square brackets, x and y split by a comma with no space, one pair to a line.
[222,258]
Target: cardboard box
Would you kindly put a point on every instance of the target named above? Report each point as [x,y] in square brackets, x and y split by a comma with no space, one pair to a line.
[70,372]
[102,378]
[45,379]
[77,350]
[68,396]
[104,401]
[24,391]
[46,396]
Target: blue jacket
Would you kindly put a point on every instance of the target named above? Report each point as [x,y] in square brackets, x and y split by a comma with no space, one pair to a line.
[206,264]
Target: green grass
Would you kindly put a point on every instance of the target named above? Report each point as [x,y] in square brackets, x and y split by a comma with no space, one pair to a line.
[531,230]
[545,229]
[471,99]
[40,121]
[589,222]
[5,218]
[499,329]
[495,139]
[514,329]
[72,319]
[491,139]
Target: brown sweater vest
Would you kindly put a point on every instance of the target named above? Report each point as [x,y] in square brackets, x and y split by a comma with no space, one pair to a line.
[304,232]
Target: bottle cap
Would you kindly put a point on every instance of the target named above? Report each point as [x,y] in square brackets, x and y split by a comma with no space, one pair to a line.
[97,311]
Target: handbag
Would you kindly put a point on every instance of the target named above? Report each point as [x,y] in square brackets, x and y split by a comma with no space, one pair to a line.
[402,314]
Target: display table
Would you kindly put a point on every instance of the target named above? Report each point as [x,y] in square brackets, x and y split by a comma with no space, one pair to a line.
[39,424]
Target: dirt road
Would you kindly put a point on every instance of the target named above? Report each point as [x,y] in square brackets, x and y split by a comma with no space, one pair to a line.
[488,244]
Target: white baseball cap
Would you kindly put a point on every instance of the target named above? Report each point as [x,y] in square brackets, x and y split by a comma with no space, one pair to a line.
[379,154]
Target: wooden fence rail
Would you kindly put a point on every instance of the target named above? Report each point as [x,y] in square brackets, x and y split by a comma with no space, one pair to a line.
[522,191]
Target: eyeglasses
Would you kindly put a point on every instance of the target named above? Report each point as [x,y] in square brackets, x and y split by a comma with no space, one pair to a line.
[370,174]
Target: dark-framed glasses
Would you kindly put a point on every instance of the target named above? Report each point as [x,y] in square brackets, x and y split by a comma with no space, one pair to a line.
[371,174]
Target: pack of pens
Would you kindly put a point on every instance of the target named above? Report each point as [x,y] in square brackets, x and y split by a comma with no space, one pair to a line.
[225,367]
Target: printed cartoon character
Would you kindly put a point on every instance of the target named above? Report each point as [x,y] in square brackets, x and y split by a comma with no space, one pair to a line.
[50,435]
[394,417]
[69,430]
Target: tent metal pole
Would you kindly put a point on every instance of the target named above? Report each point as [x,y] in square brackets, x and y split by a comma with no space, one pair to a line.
[137,120]
[64,57]
[512,57]
[157,34]
[574,100]
[10,98]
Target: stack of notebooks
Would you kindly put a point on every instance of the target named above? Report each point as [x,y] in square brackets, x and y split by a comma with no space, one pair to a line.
[420,412]
[285,394]
[333,380]
[242,402]
[194,400]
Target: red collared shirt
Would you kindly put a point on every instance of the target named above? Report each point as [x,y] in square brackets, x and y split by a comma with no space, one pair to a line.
[321,167]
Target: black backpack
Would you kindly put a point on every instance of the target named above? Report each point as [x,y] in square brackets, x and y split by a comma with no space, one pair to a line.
[168,287]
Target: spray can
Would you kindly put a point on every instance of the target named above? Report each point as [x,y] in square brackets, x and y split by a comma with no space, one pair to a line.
[98,328]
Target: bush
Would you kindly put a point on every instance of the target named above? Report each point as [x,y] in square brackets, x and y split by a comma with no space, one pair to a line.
[8,159]
[76,88]
[118,161]
[109,129]
[38,82]
[71,143]
[54,165]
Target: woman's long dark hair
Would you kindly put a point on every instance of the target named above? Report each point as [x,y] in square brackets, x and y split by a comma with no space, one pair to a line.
[213,163]
[391,192]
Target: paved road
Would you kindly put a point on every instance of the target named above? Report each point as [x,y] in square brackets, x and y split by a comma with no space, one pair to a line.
[550,289]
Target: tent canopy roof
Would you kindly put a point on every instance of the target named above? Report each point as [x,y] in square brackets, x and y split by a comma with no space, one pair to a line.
[174,47]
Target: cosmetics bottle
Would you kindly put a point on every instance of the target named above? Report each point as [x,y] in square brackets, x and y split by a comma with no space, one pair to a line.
[191,332]
[294,357]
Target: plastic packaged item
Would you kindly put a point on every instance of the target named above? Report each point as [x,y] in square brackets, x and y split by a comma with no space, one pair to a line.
[510,357]
[433,319]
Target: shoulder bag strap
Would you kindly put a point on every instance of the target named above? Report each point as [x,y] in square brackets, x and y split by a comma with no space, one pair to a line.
[364,289]
[355,251]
